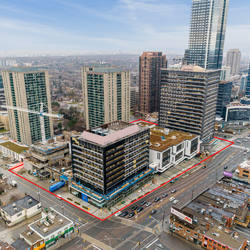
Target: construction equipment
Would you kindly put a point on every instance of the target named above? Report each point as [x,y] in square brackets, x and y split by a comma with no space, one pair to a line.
[41,114]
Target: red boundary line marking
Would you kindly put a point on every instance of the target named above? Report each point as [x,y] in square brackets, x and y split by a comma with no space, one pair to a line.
[163,184]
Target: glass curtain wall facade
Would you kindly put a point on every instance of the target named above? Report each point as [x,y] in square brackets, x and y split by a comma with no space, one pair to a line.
[248,84]
[207,33]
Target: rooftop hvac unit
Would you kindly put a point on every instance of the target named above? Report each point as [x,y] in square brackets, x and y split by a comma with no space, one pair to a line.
[61,221]
[30,201]
[14,204]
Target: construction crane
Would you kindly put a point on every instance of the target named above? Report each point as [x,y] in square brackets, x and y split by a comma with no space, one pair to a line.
[41,114]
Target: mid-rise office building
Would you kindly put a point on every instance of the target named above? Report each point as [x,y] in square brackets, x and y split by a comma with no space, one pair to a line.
[150,65]
[188,100]
[109,162]
[233,60]
[224,96]
[248,84]
[237,112]
[106,95]
[207,33]
[27,89]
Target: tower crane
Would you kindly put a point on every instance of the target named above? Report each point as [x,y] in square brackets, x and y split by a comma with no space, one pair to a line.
[41,114]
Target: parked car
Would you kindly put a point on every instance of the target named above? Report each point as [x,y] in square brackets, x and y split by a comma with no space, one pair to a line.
[175,201]
[173,191]
[164,195]
[226,167]
[172,181]
[124,214]
[153,211]
[143,203]
[139,209]
[148,204]
[134,208]
[157,199]
[131,215]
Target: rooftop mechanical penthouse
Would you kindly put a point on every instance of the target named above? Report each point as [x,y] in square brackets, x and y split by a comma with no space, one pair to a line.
[109,162]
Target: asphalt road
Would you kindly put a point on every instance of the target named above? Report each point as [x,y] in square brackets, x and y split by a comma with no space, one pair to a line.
[143,232]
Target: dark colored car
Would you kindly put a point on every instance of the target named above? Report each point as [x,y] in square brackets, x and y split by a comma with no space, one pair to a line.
[225,167]
[164,195]
[157,199]
[143,203]
[124,214]
[134,208]
[139,209]
[131,215]
[153,211]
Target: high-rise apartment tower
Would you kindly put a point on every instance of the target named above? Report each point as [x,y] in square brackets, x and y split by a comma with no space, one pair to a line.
[233,60]
[106,95]
[150,65]
[27,88]
[207,33]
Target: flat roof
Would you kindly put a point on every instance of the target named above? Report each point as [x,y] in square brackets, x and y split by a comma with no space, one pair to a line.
[31,236]
[19,205]
[50,223]
[14,147]
[163,138]
[213,208]
[245,165]
[24,69]
[110,133]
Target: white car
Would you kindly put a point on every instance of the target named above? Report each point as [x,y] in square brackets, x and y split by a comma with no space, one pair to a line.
[171,199]
[175,201]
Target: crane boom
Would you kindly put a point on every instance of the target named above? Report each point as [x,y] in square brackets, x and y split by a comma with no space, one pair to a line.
[33,111]
[41,116]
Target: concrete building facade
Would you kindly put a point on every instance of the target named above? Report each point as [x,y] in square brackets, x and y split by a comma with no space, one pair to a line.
[106,95]
[150,64]
[27,88]
[188,100]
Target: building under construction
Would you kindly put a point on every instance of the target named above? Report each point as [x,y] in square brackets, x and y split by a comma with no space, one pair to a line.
[53,155]
[109,162]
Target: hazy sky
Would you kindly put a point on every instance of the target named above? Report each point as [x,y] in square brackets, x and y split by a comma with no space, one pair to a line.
[100,26]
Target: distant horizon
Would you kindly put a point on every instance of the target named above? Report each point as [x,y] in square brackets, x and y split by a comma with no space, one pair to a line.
[60,27]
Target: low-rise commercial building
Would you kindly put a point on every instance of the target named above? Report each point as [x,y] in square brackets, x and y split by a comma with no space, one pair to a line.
[209,220]
[20,210]
[13,150]
[170,147]
[242,172]
[51,229]
[237,112]
[109,162]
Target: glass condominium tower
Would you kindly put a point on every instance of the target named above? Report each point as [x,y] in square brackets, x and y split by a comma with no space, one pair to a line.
[207,33]
[27,88]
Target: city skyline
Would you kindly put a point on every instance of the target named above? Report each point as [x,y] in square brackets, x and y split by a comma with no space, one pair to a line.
[62,27]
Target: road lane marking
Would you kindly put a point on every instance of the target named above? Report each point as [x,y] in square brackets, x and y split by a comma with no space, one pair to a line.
[151,243]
